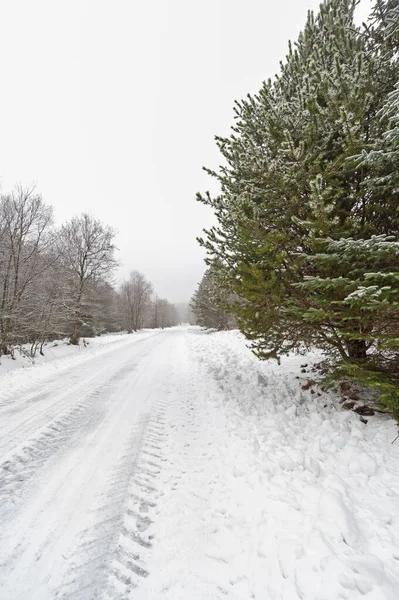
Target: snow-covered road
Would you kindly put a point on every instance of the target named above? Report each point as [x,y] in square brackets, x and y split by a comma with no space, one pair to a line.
[174,466]
[79,454]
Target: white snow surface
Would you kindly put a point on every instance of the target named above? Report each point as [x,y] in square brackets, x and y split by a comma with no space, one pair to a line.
[60,349]
[175,465]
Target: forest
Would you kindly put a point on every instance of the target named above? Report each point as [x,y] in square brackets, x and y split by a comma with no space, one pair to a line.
[59,282]
[305,249]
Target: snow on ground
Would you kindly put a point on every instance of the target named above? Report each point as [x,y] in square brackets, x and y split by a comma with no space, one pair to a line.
[58,357]
[274,495]
[62,348]
[178,466]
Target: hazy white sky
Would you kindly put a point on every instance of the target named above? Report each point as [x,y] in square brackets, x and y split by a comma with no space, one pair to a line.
[111,106]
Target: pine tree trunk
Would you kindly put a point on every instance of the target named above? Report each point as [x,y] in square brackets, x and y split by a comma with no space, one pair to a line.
[357,349]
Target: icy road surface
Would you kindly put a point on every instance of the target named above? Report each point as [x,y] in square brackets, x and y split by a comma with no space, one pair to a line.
[175,466]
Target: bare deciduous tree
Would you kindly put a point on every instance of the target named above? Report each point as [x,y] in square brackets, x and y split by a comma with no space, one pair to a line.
[43,312]
[25,240]
[87,250]
[136,294]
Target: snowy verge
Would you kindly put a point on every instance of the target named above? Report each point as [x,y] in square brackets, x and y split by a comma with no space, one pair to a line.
[58,357]
[305,501]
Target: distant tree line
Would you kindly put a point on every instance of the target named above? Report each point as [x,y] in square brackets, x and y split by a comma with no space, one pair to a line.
[56,282]
[306,246]
[210,303]
[141,307]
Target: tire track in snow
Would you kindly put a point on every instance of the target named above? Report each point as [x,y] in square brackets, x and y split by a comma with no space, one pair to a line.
[87,570]
[112,558]
[26,461]
[129,564]
[82,527]
[37,408]
[44,374]
[18,467]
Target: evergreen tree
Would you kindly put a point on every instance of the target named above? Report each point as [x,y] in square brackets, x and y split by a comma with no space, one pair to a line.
[290,188]
[360,302]
[209,303]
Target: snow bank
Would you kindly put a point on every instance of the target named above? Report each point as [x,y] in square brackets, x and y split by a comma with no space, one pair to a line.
[269,492]
[309,493]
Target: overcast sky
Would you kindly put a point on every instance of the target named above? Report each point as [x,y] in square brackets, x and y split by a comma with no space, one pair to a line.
[111,106]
